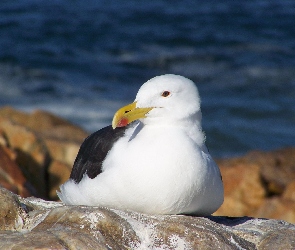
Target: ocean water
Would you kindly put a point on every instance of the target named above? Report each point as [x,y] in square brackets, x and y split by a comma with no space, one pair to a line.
[83,60]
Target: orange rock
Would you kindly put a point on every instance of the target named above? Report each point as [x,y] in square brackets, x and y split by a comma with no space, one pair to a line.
[31,153]
[260,184]
[63,151]
[3,140]
[47,124]
[9,113]
[289,193]
[244,192]
[58,173]
[277,168]
[11,176]
[277,208]
[40,139]
[53,126]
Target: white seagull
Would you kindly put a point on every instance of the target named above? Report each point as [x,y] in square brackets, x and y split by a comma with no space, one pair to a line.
[153,159]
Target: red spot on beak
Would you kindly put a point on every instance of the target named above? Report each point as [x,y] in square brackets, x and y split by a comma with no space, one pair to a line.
[123,122]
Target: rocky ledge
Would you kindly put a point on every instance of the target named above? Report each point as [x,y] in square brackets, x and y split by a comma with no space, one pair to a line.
[32,223]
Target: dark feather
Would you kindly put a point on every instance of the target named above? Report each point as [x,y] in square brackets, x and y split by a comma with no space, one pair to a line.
[93,152]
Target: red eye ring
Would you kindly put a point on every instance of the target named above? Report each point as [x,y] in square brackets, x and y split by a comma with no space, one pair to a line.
[165,93]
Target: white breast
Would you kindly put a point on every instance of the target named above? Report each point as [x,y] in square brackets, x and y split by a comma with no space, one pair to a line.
[169,172]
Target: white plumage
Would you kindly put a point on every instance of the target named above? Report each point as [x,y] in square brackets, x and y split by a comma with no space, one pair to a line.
[160,165]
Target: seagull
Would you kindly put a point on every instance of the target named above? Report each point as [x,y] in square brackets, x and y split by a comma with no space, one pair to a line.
[152,159]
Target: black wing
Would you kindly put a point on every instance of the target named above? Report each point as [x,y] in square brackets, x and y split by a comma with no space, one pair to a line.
[93,152]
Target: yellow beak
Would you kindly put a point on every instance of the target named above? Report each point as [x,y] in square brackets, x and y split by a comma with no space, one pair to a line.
[128,114]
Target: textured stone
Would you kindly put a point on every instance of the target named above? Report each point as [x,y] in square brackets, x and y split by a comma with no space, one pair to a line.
[31,240]
[260,184]
[289,193]
[244,192]
[31,153]
[58,172]
[22,139]
[45,148]
[30,223]
[277,207]
[283,239]
[277,168]
[43,122]
[62,138]
[63,151]
[10,211]
[11,176]
[3,139]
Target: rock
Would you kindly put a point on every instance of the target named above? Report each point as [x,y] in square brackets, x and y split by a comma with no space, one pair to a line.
[277,207]
[58,172]
[45,123]
[45,147]
[63,151]
[3,139]
[31,154]
[11,176]
[260,184]
[31,223]
[289,193]
[277,168]
[244,192]
[10,211]
[62,138]
[286,240]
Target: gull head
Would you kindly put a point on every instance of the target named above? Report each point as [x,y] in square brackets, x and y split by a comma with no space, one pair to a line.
[166,99]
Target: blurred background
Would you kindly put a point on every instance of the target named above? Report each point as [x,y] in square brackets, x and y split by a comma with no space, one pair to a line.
[82,60]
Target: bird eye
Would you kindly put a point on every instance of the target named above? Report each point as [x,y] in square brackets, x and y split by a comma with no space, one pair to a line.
[165,93]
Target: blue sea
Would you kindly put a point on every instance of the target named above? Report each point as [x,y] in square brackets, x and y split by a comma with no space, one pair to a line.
[82,60]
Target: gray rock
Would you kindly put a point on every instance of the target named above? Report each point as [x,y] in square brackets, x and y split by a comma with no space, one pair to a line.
[33,223]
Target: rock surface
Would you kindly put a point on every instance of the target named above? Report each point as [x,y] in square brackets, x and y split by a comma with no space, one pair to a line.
[31,223]
[11,176]
[37,151]
[44,145]
[260,184]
